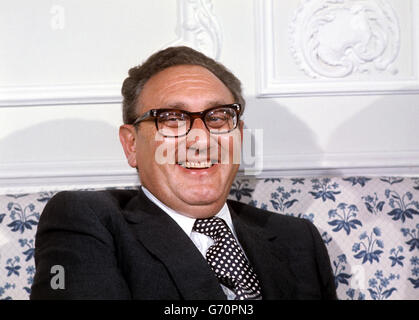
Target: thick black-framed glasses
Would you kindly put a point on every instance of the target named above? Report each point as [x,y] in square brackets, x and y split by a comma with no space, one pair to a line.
[177,123]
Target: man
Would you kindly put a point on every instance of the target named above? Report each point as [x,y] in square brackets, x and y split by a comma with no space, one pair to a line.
[178,237]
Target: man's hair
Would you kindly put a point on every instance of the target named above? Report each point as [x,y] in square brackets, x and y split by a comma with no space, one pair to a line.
[172,56]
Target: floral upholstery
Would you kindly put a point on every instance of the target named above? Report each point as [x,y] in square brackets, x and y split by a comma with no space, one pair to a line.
[370,226]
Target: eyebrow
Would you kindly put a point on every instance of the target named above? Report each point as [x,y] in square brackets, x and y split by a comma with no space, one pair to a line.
[183,106]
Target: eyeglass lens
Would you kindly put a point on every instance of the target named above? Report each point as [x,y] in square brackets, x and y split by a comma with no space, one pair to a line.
[176,123]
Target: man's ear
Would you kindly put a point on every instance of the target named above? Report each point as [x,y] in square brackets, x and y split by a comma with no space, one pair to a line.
[127,136]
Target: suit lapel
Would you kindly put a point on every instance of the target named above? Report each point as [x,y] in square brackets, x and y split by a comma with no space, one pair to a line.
[163,237]
[266,259]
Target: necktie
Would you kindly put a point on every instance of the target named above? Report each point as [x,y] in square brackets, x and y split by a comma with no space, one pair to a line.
[227,260]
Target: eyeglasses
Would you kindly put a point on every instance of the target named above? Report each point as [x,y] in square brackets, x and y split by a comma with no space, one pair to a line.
[178,123]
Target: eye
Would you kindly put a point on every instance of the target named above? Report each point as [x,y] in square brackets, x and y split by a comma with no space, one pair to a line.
[219,118]
[172,119]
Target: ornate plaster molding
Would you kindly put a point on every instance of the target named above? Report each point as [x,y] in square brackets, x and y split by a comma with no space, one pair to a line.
[198,27]
[339,38]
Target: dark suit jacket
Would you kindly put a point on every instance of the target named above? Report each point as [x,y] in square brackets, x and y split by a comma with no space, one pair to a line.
[119,245]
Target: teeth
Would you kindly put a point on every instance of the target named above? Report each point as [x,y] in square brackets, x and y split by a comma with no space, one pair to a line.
[197,165]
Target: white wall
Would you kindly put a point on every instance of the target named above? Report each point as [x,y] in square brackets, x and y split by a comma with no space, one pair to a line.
[62,64]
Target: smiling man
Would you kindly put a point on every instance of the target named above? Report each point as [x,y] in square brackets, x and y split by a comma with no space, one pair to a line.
[197,183]
[178,237]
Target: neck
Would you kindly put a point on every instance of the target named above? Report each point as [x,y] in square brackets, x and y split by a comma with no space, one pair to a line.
[191,211]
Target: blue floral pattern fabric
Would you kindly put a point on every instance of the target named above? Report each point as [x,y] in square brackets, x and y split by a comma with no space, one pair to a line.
[370,226]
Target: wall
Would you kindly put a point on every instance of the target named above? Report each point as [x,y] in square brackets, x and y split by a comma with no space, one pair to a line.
[333,84]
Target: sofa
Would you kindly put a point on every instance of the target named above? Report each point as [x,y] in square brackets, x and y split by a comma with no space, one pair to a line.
[370,226]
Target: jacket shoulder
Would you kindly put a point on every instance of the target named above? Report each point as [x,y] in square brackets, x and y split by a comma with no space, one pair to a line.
[289,229]
[78,230]
[261,216]
[105,198]
[79,205]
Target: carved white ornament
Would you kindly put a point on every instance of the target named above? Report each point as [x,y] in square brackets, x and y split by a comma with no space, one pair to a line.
[338,38]
[198,27]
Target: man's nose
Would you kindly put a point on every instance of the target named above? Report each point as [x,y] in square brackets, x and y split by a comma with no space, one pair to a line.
[198,123]
[198,136]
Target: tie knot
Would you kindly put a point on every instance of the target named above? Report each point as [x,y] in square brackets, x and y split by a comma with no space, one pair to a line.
[213,227]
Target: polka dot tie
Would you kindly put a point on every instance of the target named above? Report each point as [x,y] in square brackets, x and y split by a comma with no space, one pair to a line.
[227,259]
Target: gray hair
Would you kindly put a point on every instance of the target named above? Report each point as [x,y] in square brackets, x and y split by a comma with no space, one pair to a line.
[172,56]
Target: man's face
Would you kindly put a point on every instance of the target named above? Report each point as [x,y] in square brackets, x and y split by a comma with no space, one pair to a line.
[195,192]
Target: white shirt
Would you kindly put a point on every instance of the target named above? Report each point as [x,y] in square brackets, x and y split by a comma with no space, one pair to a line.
[201,241]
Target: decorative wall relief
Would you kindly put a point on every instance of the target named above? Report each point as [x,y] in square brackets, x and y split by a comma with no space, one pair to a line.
[198,27]
[339,38]
[337,47]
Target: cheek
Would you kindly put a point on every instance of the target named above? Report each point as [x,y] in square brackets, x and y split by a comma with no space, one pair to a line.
[156,152]
[145,149]
[164,151]
[230,148]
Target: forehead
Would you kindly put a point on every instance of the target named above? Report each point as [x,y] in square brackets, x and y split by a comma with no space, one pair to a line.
[187,86]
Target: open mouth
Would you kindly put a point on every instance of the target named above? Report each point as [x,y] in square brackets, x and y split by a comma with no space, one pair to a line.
[197,164]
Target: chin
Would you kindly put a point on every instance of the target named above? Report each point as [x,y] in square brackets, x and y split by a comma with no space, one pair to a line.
[203,196]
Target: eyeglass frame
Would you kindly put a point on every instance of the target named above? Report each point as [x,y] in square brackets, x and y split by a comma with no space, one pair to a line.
[153,114]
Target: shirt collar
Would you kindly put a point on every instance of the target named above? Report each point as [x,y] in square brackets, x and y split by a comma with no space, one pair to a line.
[185,222]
